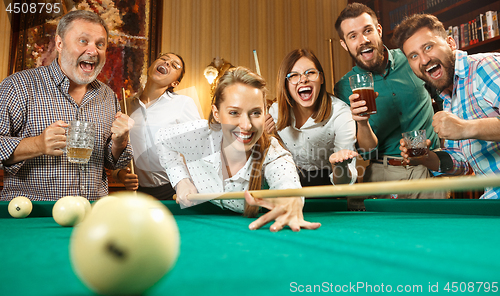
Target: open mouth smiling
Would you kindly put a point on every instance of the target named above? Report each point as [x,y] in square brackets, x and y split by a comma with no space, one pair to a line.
[434,71]
[244,138]
[87,66]
[367,53]
[162,69]
[305,93]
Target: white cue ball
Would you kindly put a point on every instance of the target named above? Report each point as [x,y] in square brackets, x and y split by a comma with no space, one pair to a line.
[125,246]
[20,207]
[68,211]
[102,201]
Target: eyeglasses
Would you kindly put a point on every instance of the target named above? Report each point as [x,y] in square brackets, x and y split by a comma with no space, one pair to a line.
[295,77]
[173,63]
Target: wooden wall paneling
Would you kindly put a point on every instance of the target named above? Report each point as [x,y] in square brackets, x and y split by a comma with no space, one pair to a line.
[242,34]
[312,30]
[339,54]
[193,15]
[226,39]
[201,30]
[207,49]
[325,29]
[283,35]
[268,41]
[343,61]
[4,41]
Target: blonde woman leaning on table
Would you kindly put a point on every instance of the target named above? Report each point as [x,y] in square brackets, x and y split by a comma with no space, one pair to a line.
[157,106]
[231,152]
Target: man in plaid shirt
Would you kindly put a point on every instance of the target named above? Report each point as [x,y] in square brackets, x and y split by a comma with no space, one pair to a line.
[37,104]
[470,88]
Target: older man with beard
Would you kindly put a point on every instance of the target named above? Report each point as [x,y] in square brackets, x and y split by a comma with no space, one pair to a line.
[36,106]
[403,103]
[470,88]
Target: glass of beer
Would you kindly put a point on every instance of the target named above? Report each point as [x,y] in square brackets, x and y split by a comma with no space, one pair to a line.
[362,84]
[80,137]
[415,143]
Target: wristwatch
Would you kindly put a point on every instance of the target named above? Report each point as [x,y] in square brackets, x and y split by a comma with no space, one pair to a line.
[445,161]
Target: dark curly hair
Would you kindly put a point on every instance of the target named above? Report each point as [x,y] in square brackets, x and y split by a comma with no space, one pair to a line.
[412,24]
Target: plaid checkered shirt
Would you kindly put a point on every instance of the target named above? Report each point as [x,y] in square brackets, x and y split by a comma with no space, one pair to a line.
[33,99]
[475,95]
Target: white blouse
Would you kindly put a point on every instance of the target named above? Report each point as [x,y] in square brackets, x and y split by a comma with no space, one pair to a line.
[312,144]
[169,109]
[201,147]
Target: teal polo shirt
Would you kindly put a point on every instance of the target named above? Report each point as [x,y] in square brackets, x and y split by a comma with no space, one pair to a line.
[403,104]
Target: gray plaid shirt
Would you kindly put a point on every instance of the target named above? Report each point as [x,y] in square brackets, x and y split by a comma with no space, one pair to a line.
[30,101]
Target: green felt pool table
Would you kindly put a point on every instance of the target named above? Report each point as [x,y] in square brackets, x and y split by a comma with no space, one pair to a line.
[406,246]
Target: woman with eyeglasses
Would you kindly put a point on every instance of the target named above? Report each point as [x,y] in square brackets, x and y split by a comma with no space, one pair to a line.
[155,107]
[316,127]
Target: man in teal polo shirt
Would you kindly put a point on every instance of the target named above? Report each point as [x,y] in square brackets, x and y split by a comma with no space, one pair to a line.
[403,103]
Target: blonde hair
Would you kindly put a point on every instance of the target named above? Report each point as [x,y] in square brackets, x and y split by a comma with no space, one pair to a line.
[245,76]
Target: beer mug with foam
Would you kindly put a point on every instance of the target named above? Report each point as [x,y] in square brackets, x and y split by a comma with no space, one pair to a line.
[80,136]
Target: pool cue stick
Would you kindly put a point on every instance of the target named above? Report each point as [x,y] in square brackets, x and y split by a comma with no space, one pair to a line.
[331,62]
[371,188]
[132,170]
[126,112]
[257,67]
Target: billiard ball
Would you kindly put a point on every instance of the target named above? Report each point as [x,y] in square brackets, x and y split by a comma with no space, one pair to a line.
[125,246]
[68,211]
[86,203]
[20,207]
[102,201]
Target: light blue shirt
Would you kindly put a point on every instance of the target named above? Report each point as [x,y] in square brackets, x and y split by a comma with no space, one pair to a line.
[475,95]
